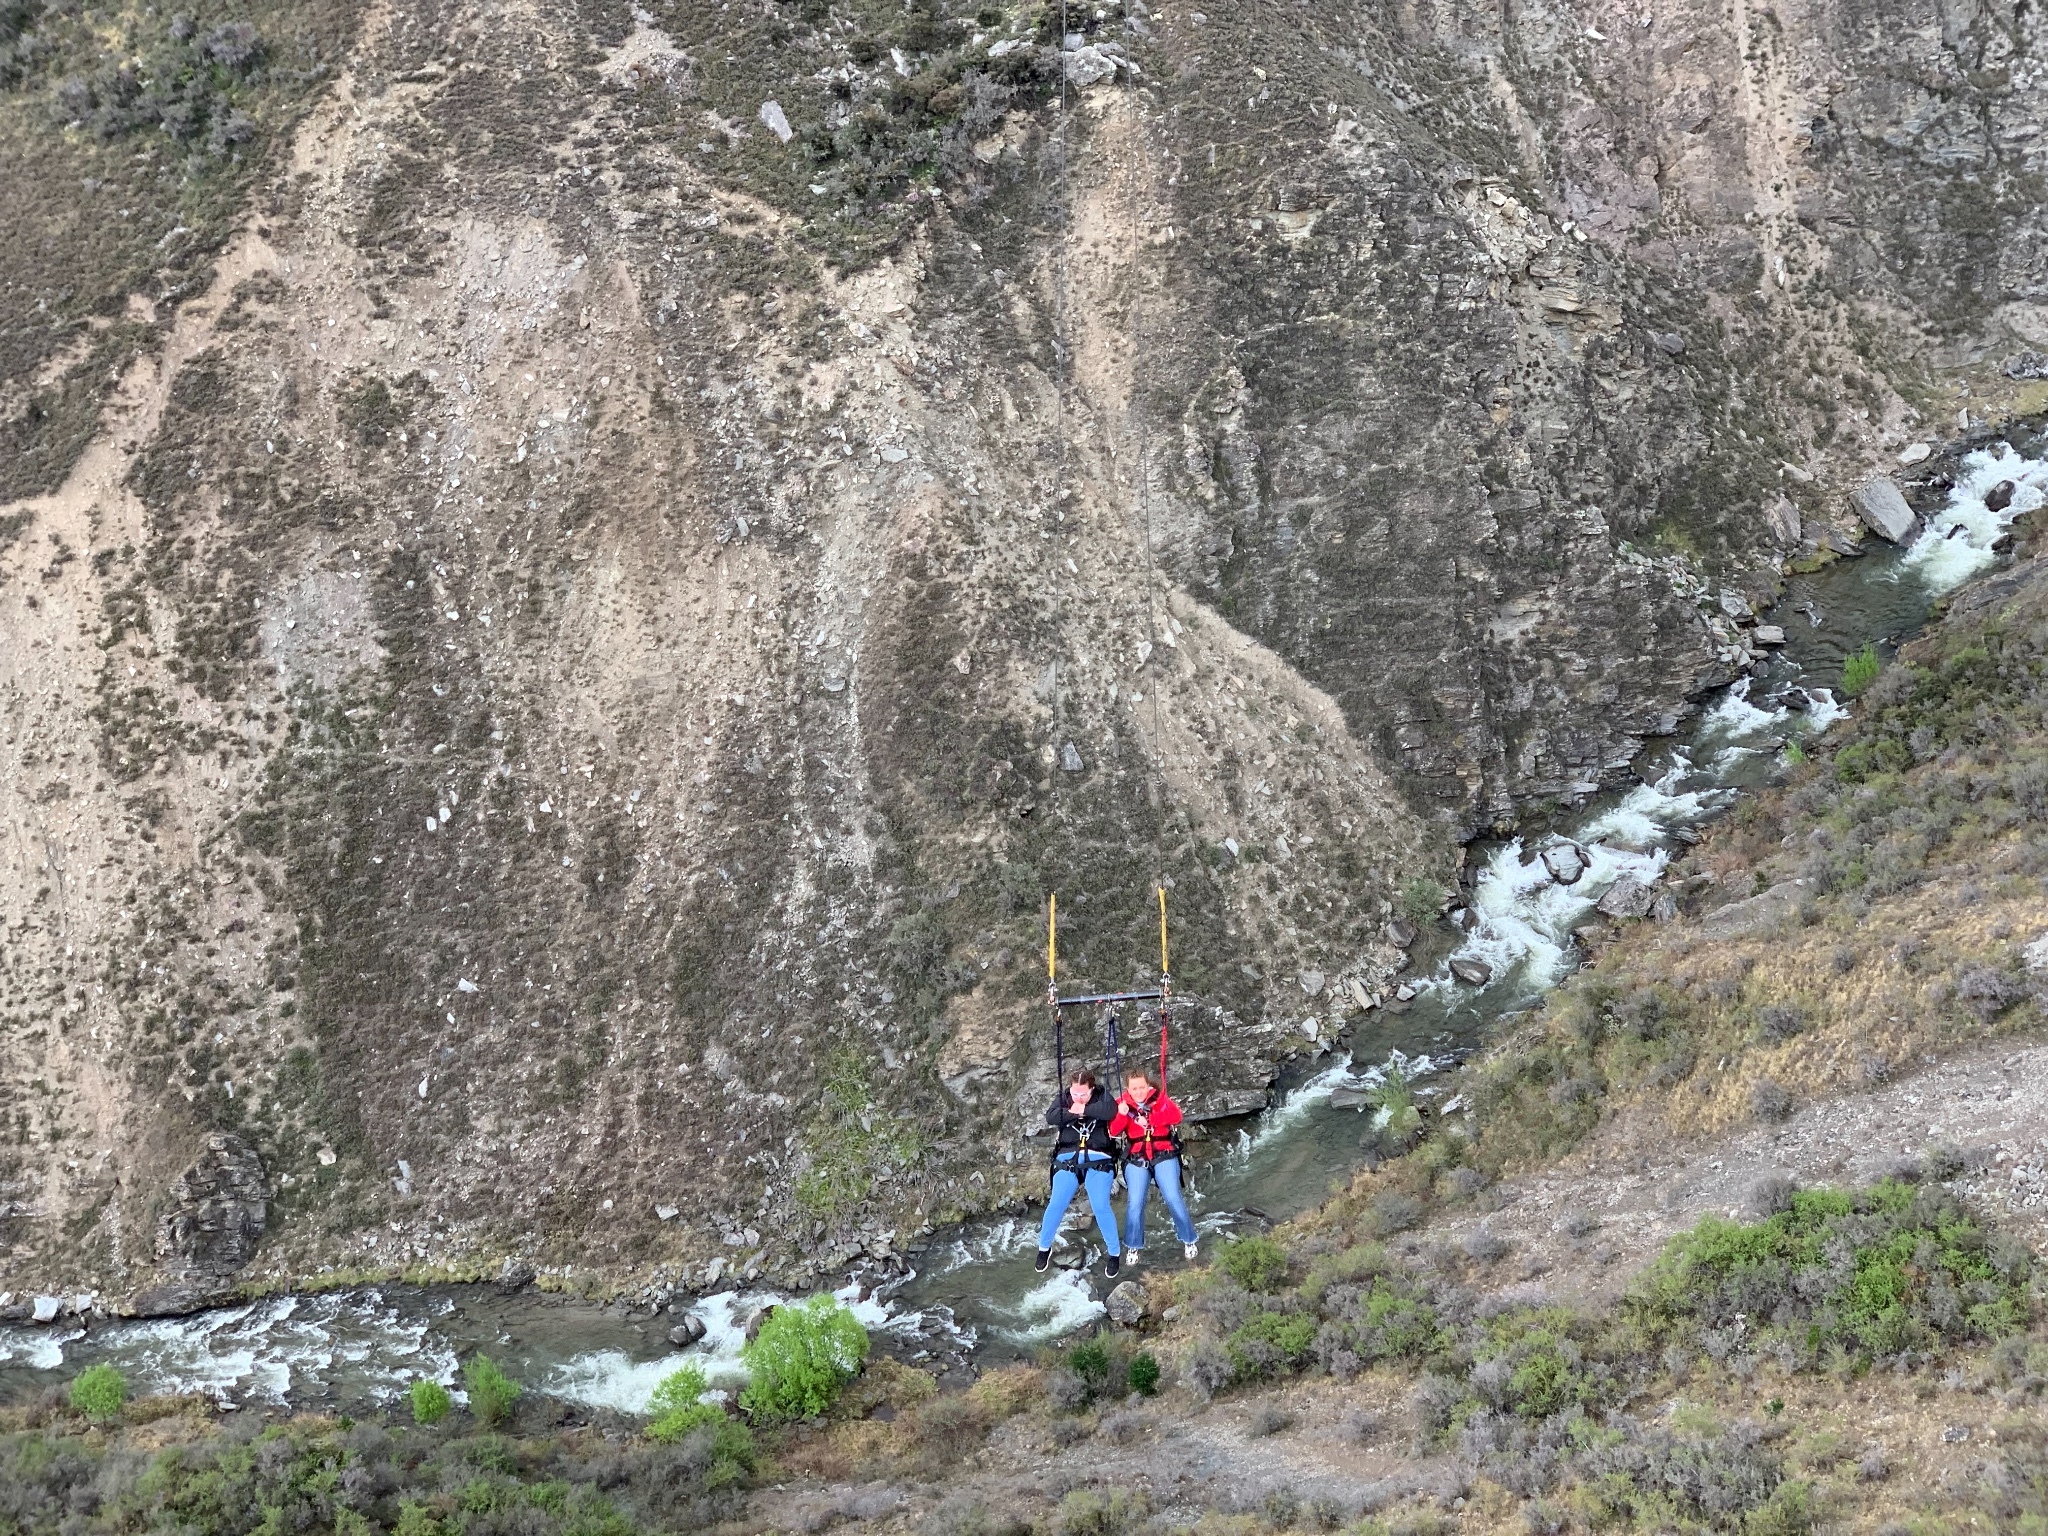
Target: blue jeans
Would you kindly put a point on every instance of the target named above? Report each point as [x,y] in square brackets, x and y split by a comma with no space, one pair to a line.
[1064,1186]
[1137,1177]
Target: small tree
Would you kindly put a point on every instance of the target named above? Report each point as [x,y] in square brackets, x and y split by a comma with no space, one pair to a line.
[677,1407]
[1144,1374]
[491,1392]
[1421,899]
[1860,671]
[99,1392]
[430,1401]
[801,1358]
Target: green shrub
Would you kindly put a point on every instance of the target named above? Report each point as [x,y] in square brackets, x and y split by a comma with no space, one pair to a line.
[1082,1513]
[430,1401]
[1090,1361]
[1144,1374]
[1860,671]
[801,1358]
[1347,1264]
[677,1408]
[99,1392]
[1256,1263]
[1395,1116]
[1270,1342]
[1545,1370]
[1421,899]
[1870,1275]
[732,1456]
[492,1393]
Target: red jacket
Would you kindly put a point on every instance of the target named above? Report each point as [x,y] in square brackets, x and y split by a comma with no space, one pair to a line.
[1148,1125]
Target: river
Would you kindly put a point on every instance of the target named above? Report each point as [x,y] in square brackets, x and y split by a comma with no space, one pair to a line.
[973,1289]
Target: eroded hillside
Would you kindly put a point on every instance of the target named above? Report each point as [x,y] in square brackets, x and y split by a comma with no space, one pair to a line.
[634,546]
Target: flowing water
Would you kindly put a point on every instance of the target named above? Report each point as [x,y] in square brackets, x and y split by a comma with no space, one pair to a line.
[974,1287]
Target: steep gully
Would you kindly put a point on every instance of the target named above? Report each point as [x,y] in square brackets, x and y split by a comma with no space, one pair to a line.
[972,1291]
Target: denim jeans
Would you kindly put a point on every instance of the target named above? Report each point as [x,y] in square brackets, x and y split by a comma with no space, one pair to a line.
[1137,1178]
[1064,1186]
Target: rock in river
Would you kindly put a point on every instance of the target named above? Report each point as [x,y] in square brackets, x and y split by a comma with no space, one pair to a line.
[1473,972]
[1882,506]
[1566,862]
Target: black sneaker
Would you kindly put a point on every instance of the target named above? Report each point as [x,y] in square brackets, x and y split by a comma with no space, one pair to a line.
[1113,1265]
[1044,1258]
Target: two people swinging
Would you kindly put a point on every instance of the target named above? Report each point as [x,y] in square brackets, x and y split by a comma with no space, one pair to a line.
[1088,1125]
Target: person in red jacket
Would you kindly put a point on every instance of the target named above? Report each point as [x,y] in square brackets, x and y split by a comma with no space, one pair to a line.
[1147,1117]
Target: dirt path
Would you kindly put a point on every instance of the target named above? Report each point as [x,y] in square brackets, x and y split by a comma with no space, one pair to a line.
[1581,1228]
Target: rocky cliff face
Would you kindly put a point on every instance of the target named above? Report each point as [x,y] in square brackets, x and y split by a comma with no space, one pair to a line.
[564,607]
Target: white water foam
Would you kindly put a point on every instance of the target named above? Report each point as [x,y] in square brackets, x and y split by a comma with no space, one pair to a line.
[1523,935]
[261,1350]
[610,1378]
[1957,542]
[1008,1238]
[37,1348]
[1824,710]
[1283,1117]
[1051,1309]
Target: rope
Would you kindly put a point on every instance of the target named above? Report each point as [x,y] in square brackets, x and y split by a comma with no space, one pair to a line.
[1062,362]
[1135,150]
[1165,989]
[1052,994]
[1112,1049]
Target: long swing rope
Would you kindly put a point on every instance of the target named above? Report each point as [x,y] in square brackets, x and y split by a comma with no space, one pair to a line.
[1165,990]
[1052,994]
[1136,149]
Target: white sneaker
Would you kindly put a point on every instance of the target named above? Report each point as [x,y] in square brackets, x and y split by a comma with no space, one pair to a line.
[1192,1250]
[1131,1256]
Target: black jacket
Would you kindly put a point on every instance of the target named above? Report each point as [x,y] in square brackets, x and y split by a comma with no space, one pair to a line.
[1089,1130]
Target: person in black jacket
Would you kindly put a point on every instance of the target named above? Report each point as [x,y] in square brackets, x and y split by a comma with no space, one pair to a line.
[1082,1153]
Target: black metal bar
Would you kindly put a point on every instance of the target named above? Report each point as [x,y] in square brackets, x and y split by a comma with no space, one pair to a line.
[1108,997]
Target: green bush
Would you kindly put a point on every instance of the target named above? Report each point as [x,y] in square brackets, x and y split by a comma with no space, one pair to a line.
[1090,1361]
[1256,1263]
[1868,1275]
[1395,1115]
[99,1392]
[1270,1342]
[1082,1513]
[430,1401]
[492,1393]
[801,1358]
[1144,1375]
[677,1407]
[1421,900]
[1860,671]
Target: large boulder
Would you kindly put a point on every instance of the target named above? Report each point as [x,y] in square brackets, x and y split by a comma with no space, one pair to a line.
[1126,1304]
[1628,897]
[1565,863]
[220,1207]
[1756,917]
[1882,506]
